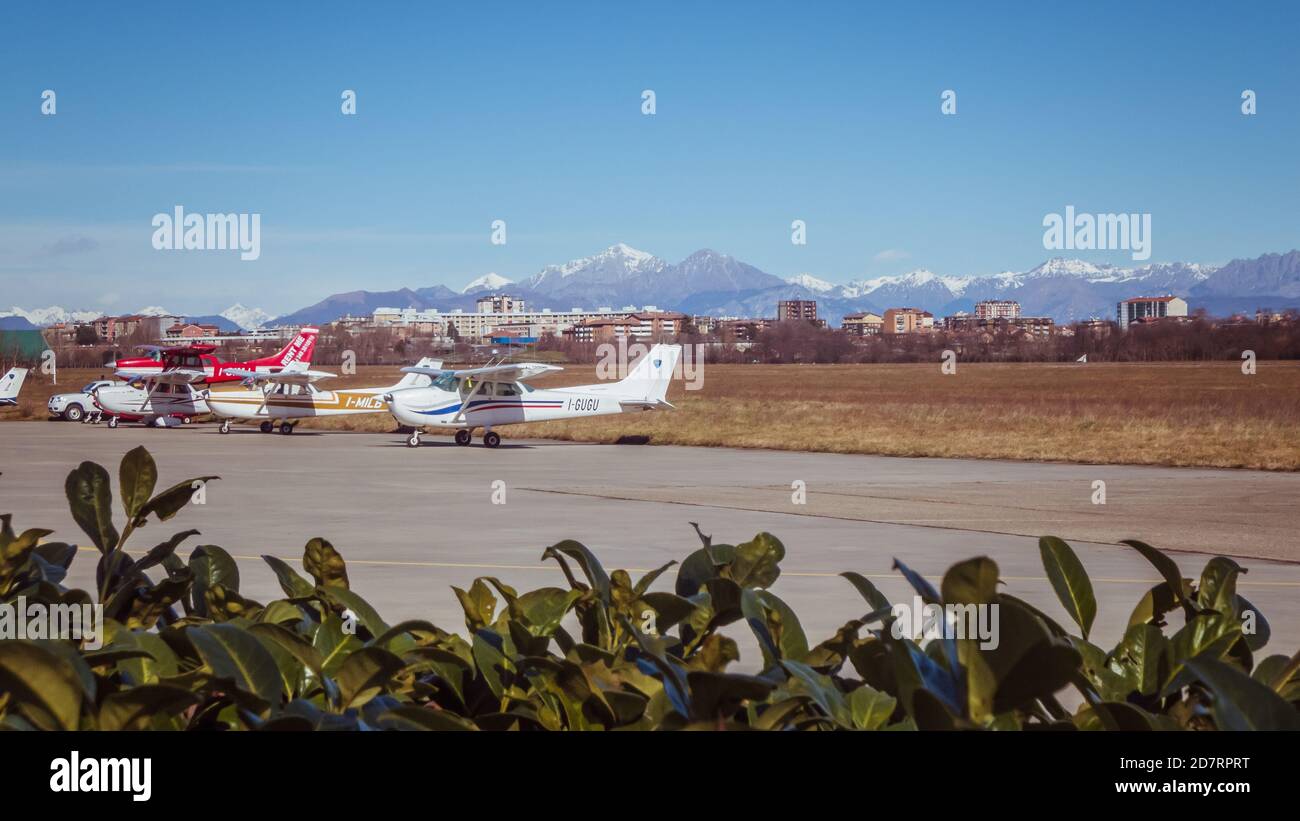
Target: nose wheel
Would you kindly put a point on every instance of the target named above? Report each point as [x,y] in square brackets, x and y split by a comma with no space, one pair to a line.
[225,426]
[463,437]
[112,421]
[413,441]
[491,439]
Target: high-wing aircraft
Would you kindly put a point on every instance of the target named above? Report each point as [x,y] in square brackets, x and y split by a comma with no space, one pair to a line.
[291,395]
[197,362]
[499,395]
[10,384]
[164,400]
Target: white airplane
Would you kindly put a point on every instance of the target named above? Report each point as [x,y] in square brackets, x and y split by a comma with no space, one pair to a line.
[499,395]
[290,395]
[10,384]
[165,400]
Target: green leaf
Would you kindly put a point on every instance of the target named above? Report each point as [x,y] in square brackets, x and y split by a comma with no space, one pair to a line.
[293,585]
[364,674]
[1070,581]
[424,718]
[974,581]
[136,476]
[325,564]
[870,707]
[1167,568]
[877,600]
[135,708]
[756,563]
[236,657]
[1240,702]
[596,575]
[168,503]
[479,604]
[90,499]
[211,566]
[43,687]
[367,615]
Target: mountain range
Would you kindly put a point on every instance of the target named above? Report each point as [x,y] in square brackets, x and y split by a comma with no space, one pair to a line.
[714,284]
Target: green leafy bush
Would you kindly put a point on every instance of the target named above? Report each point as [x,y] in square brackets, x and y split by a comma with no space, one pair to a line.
[186,650]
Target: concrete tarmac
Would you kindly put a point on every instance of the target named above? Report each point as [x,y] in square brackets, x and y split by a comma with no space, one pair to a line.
[413,522]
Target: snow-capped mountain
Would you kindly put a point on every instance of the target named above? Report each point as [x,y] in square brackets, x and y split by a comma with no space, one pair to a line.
[250,319]
[812,283]
[153,310]
[487,282]
[42,317]
[708,282]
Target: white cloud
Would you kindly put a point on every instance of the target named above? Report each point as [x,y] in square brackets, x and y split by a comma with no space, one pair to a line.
[892,255]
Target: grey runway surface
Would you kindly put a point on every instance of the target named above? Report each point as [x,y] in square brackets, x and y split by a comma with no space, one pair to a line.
[413,522]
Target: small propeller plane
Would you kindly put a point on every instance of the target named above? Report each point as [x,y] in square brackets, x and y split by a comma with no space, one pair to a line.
[10,386]
[286,397]
[162,389]
[163,400]
[499,395]
[199,361]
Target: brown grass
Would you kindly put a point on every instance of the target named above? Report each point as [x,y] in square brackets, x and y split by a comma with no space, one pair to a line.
[1195,414]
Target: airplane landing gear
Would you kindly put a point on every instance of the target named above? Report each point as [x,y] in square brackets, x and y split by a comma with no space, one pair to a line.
[413,441]
[286,428]
[266,427]
[463,437]
[225,426]
[112,421]
[491,439]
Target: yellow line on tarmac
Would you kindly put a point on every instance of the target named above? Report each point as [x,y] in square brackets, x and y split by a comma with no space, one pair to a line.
[793,573]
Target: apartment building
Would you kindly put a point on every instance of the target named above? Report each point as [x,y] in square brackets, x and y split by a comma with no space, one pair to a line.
[863,324]
[907,321]
[796,309]
[1148,308]
[499,304]
[997,309]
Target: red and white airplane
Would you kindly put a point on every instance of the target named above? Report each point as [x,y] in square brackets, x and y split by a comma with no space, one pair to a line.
[164,389]
[196,363]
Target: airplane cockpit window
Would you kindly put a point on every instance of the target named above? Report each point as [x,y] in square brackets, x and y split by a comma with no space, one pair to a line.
[506,389]
[524,387]
[446,382]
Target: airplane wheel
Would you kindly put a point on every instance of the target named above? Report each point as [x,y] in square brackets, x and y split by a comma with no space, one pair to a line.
[286,428]
[491,439]
[112,421]
[266,427]
[185,420]
[225,426]
[463,437]
[413,441]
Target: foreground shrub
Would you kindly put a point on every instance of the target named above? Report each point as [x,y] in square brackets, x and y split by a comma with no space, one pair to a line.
[188,651]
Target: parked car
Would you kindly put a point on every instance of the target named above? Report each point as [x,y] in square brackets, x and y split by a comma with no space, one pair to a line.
[75,407]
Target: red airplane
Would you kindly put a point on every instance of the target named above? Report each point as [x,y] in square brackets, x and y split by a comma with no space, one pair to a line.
[195,363]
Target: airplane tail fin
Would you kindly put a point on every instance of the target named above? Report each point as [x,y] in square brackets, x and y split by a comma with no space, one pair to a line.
[10,384]
[652,374]
[297,351]
[419,380]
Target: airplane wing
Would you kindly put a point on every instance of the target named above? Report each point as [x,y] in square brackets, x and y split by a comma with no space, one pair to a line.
[519,372]
[175,376]
[287,376]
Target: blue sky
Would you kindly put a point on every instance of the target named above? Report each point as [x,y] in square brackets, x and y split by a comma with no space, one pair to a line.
[531,113]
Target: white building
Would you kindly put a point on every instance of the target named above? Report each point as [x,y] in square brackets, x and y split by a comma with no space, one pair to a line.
[1143,308]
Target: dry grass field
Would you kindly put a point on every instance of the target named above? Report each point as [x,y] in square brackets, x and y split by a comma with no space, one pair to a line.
[1196,414]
